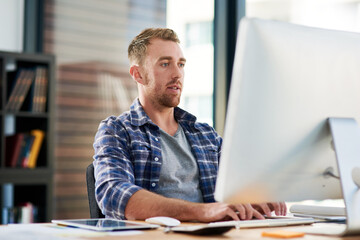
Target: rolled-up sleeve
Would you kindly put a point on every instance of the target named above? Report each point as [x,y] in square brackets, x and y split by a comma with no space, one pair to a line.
[114,173]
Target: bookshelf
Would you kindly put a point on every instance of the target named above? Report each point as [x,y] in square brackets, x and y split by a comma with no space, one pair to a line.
[26,178]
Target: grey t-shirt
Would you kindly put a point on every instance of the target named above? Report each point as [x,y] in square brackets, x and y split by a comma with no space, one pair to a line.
[179,175]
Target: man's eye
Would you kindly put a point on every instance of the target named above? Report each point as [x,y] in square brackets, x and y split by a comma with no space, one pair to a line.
[165,64]
[182,65]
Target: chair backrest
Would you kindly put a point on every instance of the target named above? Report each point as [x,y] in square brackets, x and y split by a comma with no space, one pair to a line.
[95,211]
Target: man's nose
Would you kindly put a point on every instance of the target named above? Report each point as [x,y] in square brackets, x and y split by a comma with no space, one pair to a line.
[178,72]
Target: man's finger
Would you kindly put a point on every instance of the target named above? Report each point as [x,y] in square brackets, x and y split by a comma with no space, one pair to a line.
[257,214]
[277,208]
[283,208]
[231,213]
[250,211]
[266,209]
[242,211]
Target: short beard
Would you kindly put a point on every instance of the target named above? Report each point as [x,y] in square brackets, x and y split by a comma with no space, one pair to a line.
[168,101]
[163,100]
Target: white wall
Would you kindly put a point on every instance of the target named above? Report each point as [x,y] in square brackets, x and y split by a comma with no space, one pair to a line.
[11,25]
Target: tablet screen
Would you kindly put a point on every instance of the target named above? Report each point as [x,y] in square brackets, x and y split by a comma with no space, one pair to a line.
[104,224]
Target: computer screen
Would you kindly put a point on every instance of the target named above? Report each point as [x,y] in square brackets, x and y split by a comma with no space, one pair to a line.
[287,81]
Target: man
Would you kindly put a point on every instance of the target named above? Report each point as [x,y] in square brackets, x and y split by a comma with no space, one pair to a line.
[156,160]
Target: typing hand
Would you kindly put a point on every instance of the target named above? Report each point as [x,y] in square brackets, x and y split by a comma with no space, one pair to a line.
[266,208]
[211,212]
[247,212]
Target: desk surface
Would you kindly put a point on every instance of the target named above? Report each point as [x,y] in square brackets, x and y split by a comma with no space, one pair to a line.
[254,233]
[19,232]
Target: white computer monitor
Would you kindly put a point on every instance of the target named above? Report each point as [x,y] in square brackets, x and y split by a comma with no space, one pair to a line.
[287,81]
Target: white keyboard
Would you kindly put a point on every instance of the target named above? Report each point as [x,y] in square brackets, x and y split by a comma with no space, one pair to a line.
[272,222]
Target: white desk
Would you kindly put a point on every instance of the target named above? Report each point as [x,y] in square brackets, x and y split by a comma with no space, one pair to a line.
[51,231]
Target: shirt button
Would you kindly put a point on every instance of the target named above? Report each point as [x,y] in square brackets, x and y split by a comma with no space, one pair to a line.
[156,139]
[156,159]
[153,184]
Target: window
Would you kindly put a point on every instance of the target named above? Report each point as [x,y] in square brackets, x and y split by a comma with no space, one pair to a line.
[195,30]
[330,14]
[199,33]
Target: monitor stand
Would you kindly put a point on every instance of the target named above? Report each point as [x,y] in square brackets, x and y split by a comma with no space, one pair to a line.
[346,139]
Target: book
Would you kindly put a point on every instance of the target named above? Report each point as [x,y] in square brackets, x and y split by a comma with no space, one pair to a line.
[15,90]
[22,149]
[25,152]
[20,90]
[24,89]
[13,148]
[43,91]
[35,148]
[39,91]
[35,90]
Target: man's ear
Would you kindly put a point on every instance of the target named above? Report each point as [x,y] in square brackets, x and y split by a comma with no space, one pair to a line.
[136,74]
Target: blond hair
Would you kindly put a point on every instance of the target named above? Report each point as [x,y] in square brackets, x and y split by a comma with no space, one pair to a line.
[138,46]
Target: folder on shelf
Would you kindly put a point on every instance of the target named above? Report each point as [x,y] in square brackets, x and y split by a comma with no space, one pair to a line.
[36,146]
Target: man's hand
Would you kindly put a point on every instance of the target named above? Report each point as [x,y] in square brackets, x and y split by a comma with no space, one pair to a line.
[211,212]
[266,208]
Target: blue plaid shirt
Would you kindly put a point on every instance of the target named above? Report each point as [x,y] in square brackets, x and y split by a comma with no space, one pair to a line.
[128,157]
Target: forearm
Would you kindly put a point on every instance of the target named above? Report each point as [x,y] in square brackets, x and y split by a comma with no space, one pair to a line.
[144,204]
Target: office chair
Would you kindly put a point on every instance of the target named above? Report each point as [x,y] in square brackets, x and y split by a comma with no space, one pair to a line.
[95,211]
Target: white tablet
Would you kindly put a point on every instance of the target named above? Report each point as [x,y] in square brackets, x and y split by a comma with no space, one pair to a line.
[104,224]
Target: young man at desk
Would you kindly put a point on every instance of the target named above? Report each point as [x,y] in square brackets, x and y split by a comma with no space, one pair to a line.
[156,159]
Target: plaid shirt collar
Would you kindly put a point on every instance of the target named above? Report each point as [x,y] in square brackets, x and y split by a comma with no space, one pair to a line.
[138,117]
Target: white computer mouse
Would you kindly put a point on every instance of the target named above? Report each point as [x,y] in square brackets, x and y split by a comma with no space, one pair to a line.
[164,221]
